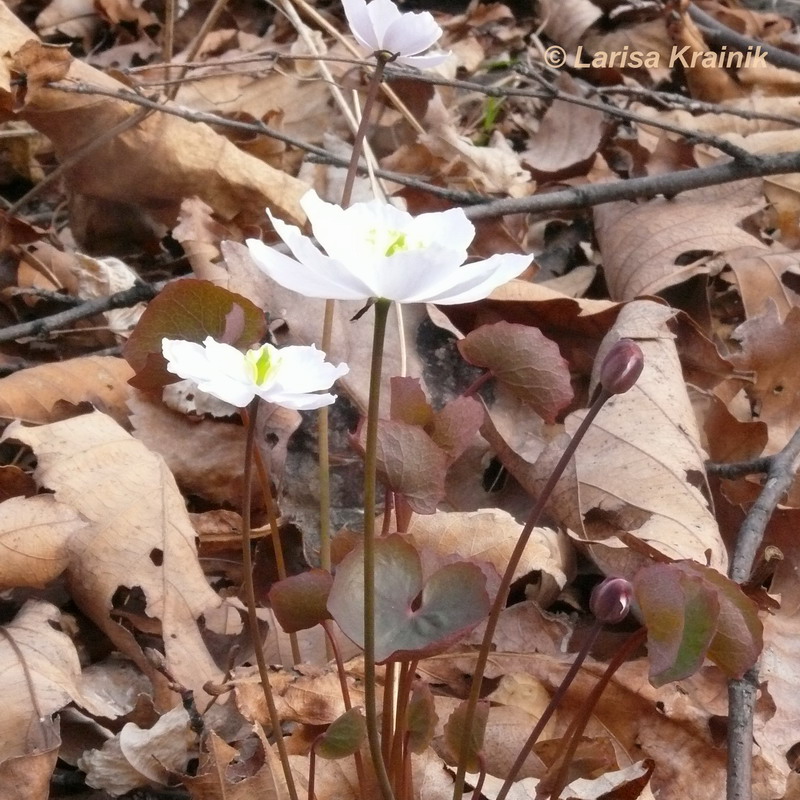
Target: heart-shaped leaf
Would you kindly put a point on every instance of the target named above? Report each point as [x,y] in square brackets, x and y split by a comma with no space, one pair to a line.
[525,360]
[411,618]
[189,309]
[343,737]
[300,601]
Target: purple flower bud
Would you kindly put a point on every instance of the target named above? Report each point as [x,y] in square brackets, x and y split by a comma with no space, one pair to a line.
[611,600]
[622,366]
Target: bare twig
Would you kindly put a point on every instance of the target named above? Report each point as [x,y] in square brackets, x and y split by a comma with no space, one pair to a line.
[139,293]
[717,33]
[742,692]
[668,184]
[738,469]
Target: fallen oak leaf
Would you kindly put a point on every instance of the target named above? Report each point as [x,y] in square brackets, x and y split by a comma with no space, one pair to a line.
[140,538]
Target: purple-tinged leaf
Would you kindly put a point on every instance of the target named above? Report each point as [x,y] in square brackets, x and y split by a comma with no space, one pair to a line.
[526,361]
[410,464]
[300,601]
[192,310]
[454,427]
[681,613]
[411,620]
[344,736]
[408,402]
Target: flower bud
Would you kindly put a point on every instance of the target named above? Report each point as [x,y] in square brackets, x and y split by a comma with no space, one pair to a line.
[622,366]
[611,600]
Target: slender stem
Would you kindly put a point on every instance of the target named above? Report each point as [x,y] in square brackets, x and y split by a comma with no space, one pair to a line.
[272,517]
[387,717]
[505,584]
[477,383]
[372,92]
[370,485]
[476,795]
[250,600]
[324,454]
[348,704]
[587,708]
[312,770]
[555,700]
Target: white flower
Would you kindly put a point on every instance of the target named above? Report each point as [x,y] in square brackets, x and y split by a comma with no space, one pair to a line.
[375,250]
[380,27]
[288,377]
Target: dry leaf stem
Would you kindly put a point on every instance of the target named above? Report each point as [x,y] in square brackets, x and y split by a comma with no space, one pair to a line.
[250,598]
[505,584]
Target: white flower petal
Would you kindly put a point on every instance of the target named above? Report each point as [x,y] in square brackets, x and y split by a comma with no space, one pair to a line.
[477,280]
[187,360]
[383,14]
[323,277]
[423,62]
[304,369]
[411,34]
[360,23]
[299,402]
[449,228]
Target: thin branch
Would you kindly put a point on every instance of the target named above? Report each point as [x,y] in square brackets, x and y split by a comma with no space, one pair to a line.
[139,293]
[668,184]
[738,469]
[742,692]
[325,156]
[717,33]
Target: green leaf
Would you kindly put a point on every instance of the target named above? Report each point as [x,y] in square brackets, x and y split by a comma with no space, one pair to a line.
[526,361]
[693,612]
[300,601]
[189,309]
[453,731]
[344,736]
[410,619]
[422,718]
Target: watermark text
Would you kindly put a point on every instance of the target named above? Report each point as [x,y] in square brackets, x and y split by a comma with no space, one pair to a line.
[630,58]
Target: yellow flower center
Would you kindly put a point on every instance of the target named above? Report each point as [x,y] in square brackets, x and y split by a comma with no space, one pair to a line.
[261,363]
[390,242]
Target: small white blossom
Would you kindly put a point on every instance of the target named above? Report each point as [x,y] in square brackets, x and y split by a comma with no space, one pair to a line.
[380,27]
[288,377]
[374,250]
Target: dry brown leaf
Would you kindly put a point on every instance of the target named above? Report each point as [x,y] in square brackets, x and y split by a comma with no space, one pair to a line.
[566,21]
[638,476]
[40,669]
[140,536]
[155,164]
[32,394]
[647,247]
[227,774]
[205,455]
[490,536]
[28,777]
[138,757]
[568,136]
[769,349]
[759,274]
[34,540]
